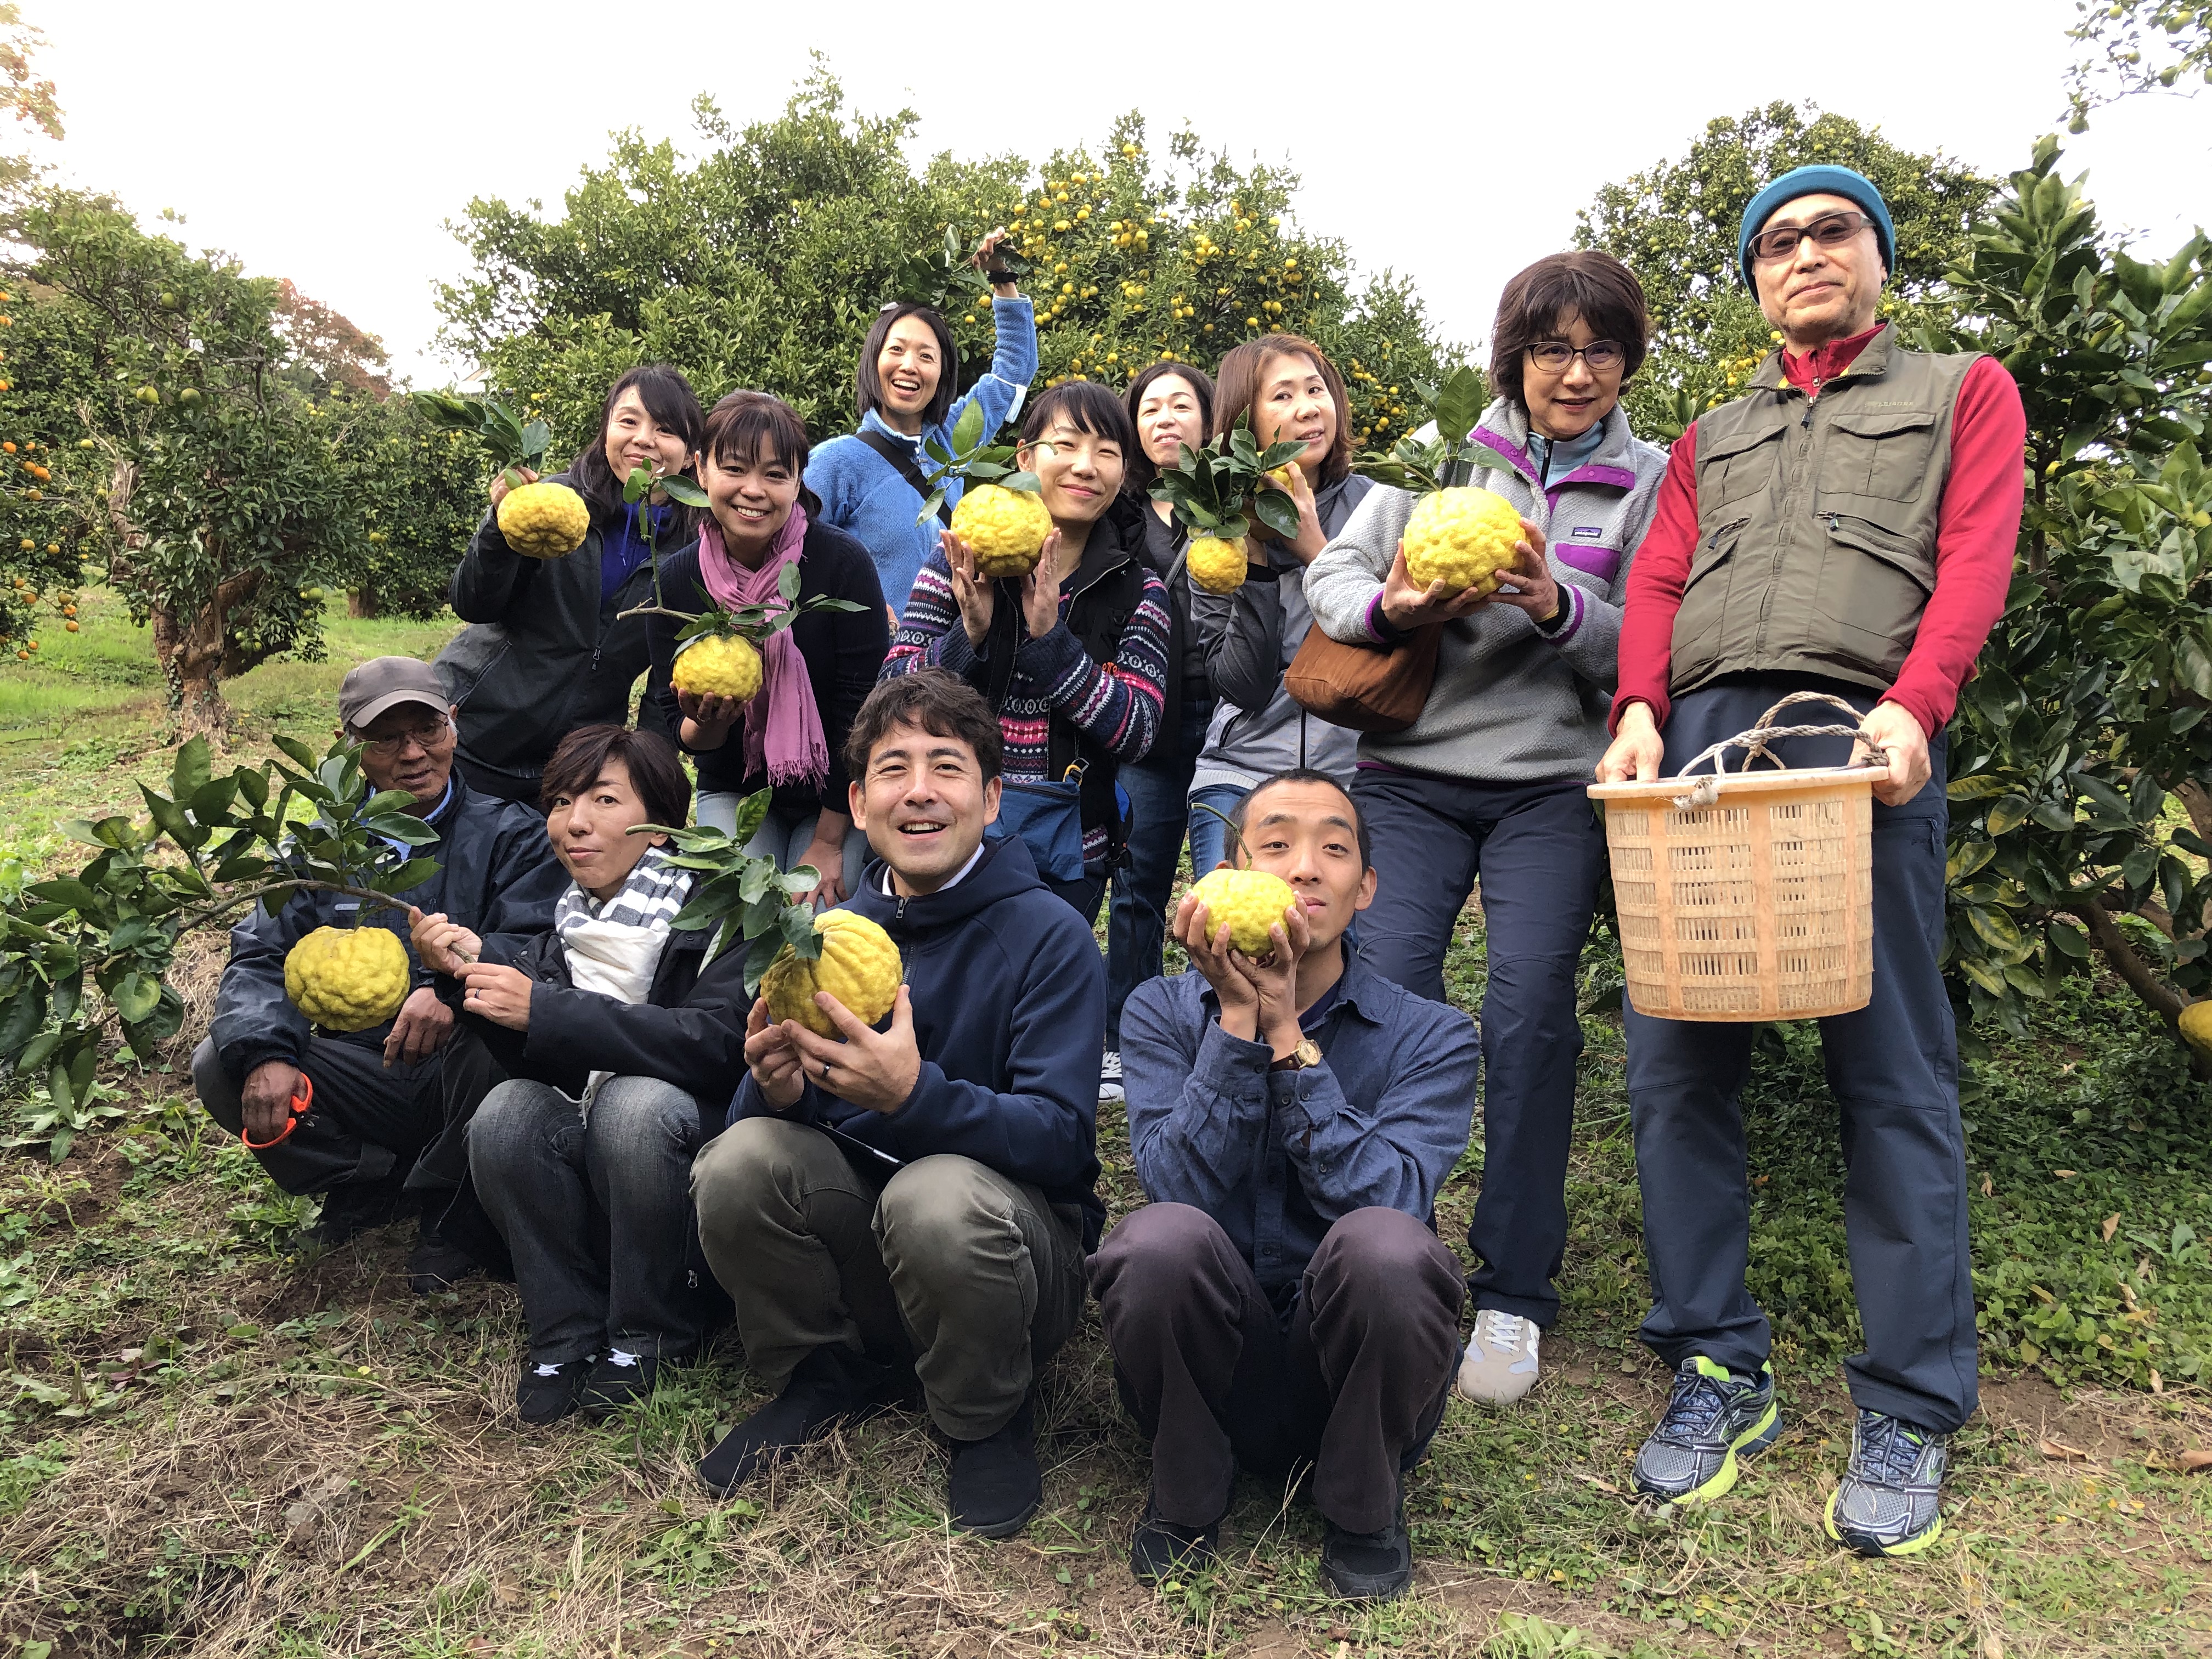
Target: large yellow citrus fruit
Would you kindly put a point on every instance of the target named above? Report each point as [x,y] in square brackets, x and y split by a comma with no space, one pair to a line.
[1218,565]
[1004,528]
[859,966]
[718,665]
[347,979]
[543,520]
[1250,901]
[1462,537]
[2197,1026]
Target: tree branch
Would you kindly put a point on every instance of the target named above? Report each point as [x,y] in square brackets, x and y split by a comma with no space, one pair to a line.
[2153,991]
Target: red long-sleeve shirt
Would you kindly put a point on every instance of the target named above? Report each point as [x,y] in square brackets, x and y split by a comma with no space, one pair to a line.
[1975,533]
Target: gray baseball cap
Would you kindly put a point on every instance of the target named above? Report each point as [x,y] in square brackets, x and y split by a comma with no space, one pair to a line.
[384,682]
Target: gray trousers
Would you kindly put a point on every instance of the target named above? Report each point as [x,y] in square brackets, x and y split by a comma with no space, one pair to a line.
[974,1276]
[595,1214]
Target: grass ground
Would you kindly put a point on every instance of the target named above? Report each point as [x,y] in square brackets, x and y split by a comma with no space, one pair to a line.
[209,1447]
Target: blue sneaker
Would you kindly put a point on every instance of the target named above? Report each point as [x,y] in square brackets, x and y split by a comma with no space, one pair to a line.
[1713,1416]
[1886,1503]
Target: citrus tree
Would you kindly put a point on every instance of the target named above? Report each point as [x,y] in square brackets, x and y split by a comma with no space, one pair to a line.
[764,262]
[2135,46]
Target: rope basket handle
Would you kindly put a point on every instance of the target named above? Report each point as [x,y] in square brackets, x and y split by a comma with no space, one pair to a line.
[1753,741]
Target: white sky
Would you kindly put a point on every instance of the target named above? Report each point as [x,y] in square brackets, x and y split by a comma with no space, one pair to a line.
[328,141]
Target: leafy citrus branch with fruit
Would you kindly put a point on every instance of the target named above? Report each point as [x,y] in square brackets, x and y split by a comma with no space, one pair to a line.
[1216,492]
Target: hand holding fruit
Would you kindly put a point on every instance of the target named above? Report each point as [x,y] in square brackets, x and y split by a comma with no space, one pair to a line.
[266,1099]
[499,485]
[1526,584]
[424,1026]
[874,1069]
[1004,289]
[972,590]
[828,857]
[1636,753]
[772,1059]
[1040,591]
[1309,540]
[498,994]
[445,946]
[1407,607]
[1894,732]
[1236,977]
[708,717]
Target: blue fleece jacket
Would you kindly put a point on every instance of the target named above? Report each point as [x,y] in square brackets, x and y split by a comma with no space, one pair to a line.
[862,493]
[1009,995]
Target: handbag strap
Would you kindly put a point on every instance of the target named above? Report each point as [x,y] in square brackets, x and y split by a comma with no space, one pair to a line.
[902,461]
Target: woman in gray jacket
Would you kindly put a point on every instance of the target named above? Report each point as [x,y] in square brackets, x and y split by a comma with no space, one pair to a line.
[1488,780]
[1286,388]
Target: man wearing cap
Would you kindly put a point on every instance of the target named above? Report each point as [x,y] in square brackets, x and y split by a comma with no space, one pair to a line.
[380,1100]
[1846,526]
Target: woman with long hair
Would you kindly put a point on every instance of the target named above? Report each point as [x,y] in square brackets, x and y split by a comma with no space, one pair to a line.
[790,736]
[906,390]
[1073,655]
[1286,387]
[549,647]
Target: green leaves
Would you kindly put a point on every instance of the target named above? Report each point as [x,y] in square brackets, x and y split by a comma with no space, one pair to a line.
[507,438]
[738,895]
[1212,490]
[972,458]
[1423,467]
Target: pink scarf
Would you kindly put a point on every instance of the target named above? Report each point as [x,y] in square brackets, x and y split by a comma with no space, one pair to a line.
[783,728]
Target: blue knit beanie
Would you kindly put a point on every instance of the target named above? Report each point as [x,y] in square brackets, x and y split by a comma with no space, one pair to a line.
[1855,187]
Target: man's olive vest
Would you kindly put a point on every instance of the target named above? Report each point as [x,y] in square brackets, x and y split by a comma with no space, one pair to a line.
[1816,521]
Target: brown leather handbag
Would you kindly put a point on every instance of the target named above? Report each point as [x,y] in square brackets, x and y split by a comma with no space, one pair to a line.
[1366,688]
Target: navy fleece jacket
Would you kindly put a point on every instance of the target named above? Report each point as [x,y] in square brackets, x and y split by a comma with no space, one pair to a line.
[1009,995]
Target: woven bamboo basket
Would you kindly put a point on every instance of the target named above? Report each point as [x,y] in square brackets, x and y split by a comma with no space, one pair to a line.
[1747,896]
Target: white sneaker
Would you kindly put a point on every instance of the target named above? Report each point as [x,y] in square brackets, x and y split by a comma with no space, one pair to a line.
[1109,1076]
[1501,1359]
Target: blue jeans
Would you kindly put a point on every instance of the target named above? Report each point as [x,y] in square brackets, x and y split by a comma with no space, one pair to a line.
[1540,852]
[1158,788]
[1209,835]
[1893,1069]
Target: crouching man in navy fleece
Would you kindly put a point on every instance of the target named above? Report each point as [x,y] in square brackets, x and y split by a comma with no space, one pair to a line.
[1284,1298]
[926,1192]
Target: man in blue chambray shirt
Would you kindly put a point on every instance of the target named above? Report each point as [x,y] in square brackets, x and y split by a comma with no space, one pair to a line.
[1285,1298]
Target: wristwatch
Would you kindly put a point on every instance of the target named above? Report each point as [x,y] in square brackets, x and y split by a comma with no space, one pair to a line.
[1308,1052]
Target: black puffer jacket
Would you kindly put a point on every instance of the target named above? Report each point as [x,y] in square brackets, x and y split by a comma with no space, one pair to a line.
[497,877]
[545,653]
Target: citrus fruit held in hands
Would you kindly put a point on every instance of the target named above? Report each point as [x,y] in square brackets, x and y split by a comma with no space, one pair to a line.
[1004,528]
[543,520]
[859,966]
[2197,1026]
[1250,901]
[1462,537]
[1280,476]
[347,979]
[1218,564]
[718,665]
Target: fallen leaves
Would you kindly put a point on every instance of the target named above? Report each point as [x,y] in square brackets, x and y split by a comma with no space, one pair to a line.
[2112,1225]
[2061,1451]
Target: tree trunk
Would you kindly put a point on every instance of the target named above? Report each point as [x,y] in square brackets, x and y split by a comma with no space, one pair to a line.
[191,648]
[361,603]
[2154,994]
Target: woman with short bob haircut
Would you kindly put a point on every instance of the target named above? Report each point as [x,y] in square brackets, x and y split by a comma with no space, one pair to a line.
[1488,780]
[870,480]
[1073,655]
[617,1038]
[1286,388]
[549,646]
[790,736]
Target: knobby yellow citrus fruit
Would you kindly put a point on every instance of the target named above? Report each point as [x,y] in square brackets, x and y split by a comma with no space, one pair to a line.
[718,665]
[1462,537]
[1250,901]
[347,979]
[1218,565]
[859,966]
[2197,1026]
[1005,528]
[543,520]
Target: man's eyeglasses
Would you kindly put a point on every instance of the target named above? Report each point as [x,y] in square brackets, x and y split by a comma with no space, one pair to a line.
[1552,356]
[427,737]
[1829,230]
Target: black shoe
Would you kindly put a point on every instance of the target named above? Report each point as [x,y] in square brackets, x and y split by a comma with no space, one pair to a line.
[995,1484]
[618,1380]
[1369,1566]
[546,1393]
[1161,1549]
[828,1386]
[354,1208]
[434,1265]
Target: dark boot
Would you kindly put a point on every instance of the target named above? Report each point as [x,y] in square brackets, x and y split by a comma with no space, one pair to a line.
[1161,1549]
[829,1385]
[434,1265]
[1369,1566]
[995,1484]
[546,1393]
[618,1380]
[356,1207]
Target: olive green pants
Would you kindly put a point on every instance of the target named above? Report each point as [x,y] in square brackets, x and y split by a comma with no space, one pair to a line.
[971,1274]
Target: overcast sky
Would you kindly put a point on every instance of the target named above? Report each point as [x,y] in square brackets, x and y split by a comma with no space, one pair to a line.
[329,141]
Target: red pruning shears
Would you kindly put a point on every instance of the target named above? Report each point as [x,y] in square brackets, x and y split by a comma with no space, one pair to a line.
[303,1096]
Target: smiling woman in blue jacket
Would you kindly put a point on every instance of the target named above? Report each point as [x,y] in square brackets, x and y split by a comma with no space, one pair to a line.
[903,391]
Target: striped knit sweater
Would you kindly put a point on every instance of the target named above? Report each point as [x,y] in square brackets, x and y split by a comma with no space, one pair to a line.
[1115,704]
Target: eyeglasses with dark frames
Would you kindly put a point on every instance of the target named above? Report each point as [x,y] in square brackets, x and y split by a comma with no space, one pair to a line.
[427,738]
[1552,356]
[1829,230]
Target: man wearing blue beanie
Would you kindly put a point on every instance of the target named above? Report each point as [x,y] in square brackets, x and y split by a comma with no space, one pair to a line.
[1845,527]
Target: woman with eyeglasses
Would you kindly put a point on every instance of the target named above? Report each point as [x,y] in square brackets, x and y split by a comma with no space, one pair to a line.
[1488,782]
[550,647]
[872,481]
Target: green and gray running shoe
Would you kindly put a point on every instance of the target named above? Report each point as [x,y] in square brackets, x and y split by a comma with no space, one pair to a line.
[1713,1416]
[1886,1505]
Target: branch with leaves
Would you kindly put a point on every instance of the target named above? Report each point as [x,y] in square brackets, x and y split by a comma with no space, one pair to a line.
[1447,459]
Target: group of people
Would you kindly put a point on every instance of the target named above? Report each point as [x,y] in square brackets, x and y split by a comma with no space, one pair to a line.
[575,1095]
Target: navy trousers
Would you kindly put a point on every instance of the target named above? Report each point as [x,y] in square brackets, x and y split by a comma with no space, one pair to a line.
[1892,1067]
[1157,786]
[1540,852]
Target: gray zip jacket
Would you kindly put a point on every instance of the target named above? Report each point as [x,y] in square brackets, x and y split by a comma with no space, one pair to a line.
[1250,636]
[1512,702]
